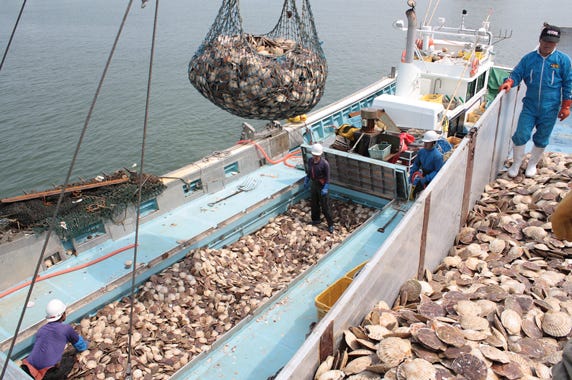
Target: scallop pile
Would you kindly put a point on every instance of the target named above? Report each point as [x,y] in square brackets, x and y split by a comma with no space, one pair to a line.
[258,77]
[183,310]
[499,306]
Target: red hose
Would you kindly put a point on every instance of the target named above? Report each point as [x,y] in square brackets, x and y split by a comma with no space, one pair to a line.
[64,271]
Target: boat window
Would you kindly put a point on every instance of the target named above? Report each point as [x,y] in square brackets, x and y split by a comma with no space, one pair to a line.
[90,233]
[481,82]
[191,187]
[231,170]
[148,207]
[471,86]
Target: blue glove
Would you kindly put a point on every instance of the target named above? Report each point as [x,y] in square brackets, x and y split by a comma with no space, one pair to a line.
[325,189]
[306,182]
[418,181]
[80,345]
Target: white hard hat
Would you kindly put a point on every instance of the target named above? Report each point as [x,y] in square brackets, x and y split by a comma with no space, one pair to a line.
[430,136]
[317,150]
[54,310]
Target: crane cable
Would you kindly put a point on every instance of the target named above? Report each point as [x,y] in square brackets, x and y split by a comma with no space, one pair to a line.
[61,196]
[144,138]
[10,42]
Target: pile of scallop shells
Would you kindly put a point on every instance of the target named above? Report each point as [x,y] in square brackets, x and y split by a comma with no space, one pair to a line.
[258,77]
[183,310]
[499,305]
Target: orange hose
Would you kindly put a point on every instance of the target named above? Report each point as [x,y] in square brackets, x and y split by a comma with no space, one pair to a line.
[64,271]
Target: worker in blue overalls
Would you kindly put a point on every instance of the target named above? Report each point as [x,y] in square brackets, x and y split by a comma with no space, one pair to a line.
[427,163]
[318,179]
[547,73]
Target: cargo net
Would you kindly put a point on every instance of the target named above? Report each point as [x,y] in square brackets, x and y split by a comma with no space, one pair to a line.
[80,210]
[267,77]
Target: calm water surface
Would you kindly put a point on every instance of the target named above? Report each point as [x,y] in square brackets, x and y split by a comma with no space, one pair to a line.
[59,51]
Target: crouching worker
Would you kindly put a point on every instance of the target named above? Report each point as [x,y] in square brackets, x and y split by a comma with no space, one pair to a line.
[426,164]
[45,361]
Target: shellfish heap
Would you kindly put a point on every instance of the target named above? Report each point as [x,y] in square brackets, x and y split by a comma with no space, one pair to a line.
[259,77]
[183,310]
[498,307]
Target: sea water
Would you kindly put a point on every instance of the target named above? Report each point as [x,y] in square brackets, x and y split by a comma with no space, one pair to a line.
[59,50]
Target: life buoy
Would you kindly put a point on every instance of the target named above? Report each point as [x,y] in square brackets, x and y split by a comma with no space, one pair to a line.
[474,66]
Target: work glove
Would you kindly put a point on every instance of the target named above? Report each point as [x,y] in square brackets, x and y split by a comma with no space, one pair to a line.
[507,85]
[306,182]
[80,345]
[564,109]
[418,182]
[325,189]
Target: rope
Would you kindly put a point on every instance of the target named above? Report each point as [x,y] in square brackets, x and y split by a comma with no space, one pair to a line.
[61,196]
[144,138]
[8,47]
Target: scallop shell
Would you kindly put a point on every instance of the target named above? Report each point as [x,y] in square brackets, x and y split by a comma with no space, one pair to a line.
[333,374]
[429,339]
[474,322]
[416,369]
[325,366]
[410,290]
[470,366]
[465,308]
[536,233]
[392,351]
[511,321]
[357,365]
[494,354]
[556,323]
[376,332]
[511,370]
[450,335]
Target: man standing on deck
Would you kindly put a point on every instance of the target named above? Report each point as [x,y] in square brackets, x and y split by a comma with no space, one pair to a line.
[45,360]
[318,179]
[547,73]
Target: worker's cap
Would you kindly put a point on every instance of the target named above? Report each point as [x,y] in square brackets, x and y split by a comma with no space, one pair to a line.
[550,33]
[54,310]
[317,150]
[430,136]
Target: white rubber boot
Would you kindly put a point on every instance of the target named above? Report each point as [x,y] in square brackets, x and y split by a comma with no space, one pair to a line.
[517,157]
[535,156]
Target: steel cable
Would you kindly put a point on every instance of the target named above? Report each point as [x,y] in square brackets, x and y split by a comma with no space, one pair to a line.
[141,165]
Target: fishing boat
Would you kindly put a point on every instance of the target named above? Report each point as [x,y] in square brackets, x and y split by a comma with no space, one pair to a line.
[446,82]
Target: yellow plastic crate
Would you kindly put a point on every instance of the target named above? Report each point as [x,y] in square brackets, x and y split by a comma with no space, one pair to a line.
[353,273]
[325,300]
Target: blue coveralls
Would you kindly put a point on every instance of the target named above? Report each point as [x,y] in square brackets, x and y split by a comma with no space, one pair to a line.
[548,82]
[319,176]
[429,161]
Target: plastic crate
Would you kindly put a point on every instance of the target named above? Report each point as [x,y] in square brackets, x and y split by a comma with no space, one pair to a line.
[380,151]
[354,272]
[325,300]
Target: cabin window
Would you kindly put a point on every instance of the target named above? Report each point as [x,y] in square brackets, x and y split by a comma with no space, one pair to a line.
[90,233]
[481,82]
[231,170]
[148,207]
[471,86]
[191,187]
